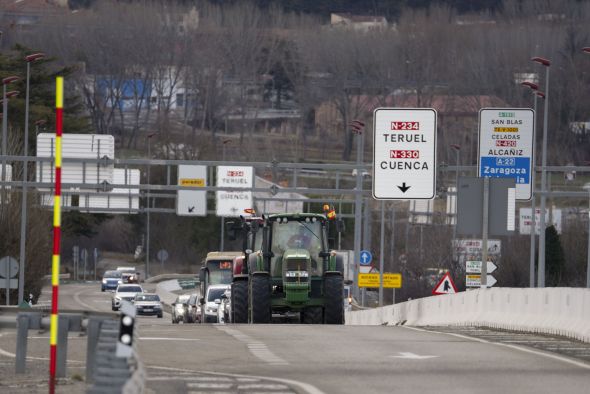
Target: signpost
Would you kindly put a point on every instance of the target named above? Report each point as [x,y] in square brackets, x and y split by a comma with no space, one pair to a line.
[404,160]
[366,257]
[506,140]
[191,202]
[8,269]
[445,286]
[390,280]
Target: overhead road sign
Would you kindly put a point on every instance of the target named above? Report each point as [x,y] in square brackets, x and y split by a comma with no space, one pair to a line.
[506,142]
[233,203]
[445,286]
[191,202]
[77,146]
[404,158]
[118,198]
[390,280]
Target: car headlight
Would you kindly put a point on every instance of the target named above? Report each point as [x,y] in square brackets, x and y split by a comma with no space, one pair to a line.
[119,281]
[104,281]
[117,298]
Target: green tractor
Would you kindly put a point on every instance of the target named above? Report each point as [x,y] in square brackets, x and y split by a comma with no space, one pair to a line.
[292,271]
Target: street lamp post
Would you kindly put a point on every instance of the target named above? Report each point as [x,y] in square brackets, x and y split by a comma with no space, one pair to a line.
[457,149]
[534,87]
[541,271]
[147,238]
[5,97]
[23,221]
[587,187]
[221,236]
[357,128]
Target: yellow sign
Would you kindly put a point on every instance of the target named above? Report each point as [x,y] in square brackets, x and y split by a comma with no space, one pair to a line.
[200,182]
[506,129]
[390,281]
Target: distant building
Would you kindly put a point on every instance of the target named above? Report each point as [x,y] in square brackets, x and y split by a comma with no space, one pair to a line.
[358,22]
[15,14]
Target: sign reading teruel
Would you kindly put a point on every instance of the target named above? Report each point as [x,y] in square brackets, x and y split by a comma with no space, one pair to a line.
[506,146]
[404,153]
[233,203]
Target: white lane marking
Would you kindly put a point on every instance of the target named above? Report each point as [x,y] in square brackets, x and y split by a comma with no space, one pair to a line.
[167,339]
[515,347]
[79,301]
[305,387]
[412,356]
[262,386]
[223,386]
[12,355]
[258,349]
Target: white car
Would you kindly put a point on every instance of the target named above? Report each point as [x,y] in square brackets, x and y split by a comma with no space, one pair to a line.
[212,301]
[124,292]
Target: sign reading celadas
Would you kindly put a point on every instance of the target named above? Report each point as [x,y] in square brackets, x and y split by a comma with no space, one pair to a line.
[506,138]
[404,153]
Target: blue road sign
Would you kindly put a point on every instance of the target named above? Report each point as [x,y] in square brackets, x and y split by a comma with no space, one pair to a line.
[366,257]
[506,167]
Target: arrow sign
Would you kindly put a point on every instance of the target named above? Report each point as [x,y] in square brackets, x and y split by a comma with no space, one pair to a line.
[404,188]
[191,209]
[412,356]
[366,257]
[475,280]
[474,267]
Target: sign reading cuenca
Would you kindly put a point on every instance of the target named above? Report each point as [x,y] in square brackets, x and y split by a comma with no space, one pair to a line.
[506,146]
[233,203]
[404,153]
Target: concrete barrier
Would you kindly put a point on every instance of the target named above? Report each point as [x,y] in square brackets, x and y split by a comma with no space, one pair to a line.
[554,311]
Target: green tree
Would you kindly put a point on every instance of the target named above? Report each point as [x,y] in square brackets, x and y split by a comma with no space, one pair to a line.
[554,258]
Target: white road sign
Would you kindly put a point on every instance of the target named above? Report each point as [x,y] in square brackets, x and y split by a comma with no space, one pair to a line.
[404,158]
[506,146]
[474,280]
[474,267]
[233,203]
[191,202]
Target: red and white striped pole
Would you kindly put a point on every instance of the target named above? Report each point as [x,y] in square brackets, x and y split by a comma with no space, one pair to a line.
[59,90]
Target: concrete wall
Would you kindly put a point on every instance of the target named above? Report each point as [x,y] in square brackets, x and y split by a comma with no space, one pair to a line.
[555,311]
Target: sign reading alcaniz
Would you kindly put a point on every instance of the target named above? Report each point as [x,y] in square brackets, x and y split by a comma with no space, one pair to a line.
[404,153]
[506,138]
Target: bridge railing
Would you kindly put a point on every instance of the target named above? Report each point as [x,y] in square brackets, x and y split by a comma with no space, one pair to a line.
[554,311]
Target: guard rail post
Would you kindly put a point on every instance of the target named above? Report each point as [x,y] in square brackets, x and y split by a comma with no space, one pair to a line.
[62,346]
[92,331]
[22,324]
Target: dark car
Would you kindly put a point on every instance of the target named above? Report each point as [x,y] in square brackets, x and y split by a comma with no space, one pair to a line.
[110,280]
[180,309]
[194,309]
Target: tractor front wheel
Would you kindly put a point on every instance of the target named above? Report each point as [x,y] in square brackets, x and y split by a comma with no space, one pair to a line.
[334,296]
[260,299]
[239,301]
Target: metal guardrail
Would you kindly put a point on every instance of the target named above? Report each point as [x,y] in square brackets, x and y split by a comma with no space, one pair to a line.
[113,370]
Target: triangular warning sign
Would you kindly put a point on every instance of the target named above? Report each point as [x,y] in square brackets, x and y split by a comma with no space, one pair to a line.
[445,286]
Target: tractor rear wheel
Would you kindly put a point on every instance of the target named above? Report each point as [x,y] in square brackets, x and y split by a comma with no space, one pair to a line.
[334,296]
[239,301]
[260,299]
[312,315]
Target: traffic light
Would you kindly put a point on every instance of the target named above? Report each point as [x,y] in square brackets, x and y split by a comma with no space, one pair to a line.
[127,322]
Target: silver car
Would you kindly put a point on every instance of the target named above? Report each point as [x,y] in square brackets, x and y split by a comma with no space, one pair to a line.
[148,304]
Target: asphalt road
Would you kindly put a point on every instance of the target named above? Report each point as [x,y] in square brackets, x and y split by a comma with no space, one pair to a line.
[331,359]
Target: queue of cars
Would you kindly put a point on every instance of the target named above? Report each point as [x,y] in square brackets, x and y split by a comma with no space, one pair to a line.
[214,307]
